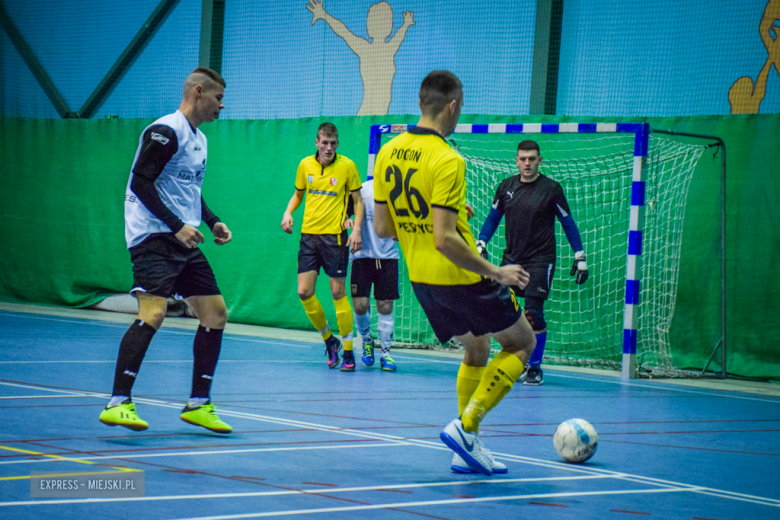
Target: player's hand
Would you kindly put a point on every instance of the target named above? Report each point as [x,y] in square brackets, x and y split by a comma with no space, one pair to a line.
[514,275]
[222,234]
[287,223]
[408,17]
[317,10]
[469,212]
[349,223]
[482,249]
[355,241]
[190,236]
[580,267]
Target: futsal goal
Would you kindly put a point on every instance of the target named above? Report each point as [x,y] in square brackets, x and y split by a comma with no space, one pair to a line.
[627,190]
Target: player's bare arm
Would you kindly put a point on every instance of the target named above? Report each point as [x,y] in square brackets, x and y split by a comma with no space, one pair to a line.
[355,240]
[287,219]
[190,236]
[449,243]
[383,222]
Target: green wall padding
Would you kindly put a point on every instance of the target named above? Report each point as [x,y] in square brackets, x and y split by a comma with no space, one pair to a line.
[62,185]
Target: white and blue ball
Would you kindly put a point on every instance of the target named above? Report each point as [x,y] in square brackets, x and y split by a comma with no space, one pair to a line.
[576,440]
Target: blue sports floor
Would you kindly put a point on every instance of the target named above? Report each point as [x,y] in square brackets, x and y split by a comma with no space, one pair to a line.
[313,442]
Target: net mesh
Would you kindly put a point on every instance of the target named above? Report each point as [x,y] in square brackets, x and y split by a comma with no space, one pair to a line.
[286,59]
[585,322]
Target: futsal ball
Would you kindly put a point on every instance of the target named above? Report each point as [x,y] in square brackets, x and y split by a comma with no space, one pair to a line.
[576,440]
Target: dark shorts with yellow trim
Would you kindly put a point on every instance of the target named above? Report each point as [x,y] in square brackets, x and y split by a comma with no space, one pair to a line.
[540,284]
[479,308]
[327,251]
[383,274]
[163,266]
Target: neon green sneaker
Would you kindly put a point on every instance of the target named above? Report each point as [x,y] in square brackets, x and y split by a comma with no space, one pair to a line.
[123,415]
[205,416]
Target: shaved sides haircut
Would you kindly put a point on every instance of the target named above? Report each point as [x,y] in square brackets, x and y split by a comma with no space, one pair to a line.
[438,89]
[203,76]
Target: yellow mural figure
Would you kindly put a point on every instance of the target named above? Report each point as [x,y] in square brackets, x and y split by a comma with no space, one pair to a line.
[377,57]
[744,97]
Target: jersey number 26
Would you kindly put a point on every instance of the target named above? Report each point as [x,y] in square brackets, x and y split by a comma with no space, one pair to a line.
[412,194]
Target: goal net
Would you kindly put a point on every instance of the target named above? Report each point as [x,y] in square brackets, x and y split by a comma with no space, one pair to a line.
[586,323]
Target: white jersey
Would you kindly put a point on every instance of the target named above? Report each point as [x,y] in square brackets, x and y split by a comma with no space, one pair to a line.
[373,246]
[179,184]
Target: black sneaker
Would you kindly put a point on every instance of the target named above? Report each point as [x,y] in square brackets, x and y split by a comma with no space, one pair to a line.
[533,376]
[332,347]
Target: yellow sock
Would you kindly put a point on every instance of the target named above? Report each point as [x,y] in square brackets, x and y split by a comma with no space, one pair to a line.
[316,315]
[468,380]
[344,319]
[499,377]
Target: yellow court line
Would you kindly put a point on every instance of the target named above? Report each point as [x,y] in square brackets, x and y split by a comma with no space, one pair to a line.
[57,475]
[19,450]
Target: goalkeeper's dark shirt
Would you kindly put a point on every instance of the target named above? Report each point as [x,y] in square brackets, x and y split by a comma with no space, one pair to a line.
[530,209]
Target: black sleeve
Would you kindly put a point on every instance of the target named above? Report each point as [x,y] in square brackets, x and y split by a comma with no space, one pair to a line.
[351,207]
[206,215]
[158,145]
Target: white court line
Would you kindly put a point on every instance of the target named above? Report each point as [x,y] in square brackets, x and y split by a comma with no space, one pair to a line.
[232,337]
[431,445]
[318,491]
[436,503]
[112,361]
[44,396]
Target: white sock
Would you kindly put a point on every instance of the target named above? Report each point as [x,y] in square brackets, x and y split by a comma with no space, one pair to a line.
[363,324]
[116,400]
[194,402]
[386,328]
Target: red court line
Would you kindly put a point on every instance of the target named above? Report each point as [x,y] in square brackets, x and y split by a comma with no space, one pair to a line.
[395,491]
[319,484]
[694,448]
[628,512]
[332,497]
[546,504]
[204,447]
[153,435]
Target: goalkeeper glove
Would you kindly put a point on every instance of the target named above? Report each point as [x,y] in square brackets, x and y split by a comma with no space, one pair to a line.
[580,267]
[482,249]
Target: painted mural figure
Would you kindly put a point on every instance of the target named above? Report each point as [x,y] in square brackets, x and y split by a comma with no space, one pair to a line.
[744,97]
[377,57]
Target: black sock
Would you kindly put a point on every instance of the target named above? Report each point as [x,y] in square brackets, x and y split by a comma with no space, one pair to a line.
[205,350]
[132,350]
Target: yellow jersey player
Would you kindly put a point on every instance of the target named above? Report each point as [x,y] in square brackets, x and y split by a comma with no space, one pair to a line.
[420,198]
[329,179]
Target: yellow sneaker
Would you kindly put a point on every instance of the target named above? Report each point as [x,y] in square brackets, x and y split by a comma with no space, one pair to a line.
[123,415]
[205,416]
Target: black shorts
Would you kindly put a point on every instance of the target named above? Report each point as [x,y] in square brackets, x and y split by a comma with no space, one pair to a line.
[163,266]
[480,308]
[383,274]
[540,284]
[327,251]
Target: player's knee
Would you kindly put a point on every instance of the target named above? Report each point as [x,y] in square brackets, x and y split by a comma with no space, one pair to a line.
[534,313]
[384,306]
[304,293]
[361,305]
[219,317]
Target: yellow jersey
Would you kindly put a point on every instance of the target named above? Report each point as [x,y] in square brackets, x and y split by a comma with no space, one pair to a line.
[328,189]
[414,173]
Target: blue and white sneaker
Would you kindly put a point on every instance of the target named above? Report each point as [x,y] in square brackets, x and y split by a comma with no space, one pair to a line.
[388,364]
[459,465]
[368,351]
[468,446]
